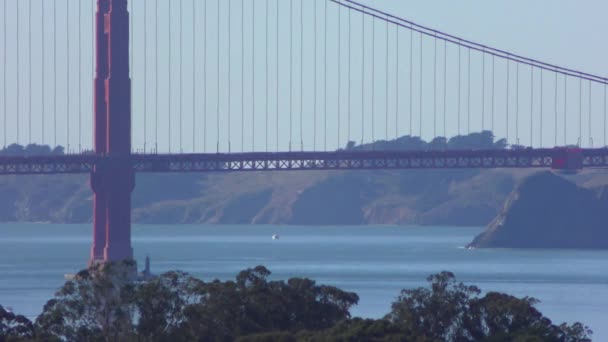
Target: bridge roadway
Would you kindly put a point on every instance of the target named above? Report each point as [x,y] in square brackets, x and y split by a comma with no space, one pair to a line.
[555,158]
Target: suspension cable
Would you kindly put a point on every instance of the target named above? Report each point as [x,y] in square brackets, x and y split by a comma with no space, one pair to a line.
[229,60]
[435,88]
[580,112]
[67,80]
[194,70]
[493,92]
[445,88]
[170,109]
[314,140]
[181,76]
[18,111]
[43,69]
[30,71]
[205,98]
[397,83]
[483,91]
[555,108]
[252,78]
[386,90]
[339,73]
[156,97]
[421,74]
[278,79]
[459,85]
[605,110]
[131,53]
[531,106]
[363,77]
[373,83]
[301,75]
[565,110]
[79,78]
[540,127]
[219,97]
[508,97]
[267,79]
[4,17]
[469,93]
[590,112]
[517,103]
[54,73]
[145,85]
[350,37]
[325,78]
[290,73]
[242,75]
[411,83]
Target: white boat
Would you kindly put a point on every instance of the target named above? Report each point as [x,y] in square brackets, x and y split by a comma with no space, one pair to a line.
[275,237]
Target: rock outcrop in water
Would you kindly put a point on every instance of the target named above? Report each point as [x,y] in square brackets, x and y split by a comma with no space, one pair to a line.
[548,211]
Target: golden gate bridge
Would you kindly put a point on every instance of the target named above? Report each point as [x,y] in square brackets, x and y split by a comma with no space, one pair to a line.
[270,85]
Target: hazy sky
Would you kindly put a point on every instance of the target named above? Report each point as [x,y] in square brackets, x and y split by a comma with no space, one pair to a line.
[567,33]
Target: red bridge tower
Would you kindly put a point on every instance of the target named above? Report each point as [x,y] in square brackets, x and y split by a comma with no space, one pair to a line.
[113,180]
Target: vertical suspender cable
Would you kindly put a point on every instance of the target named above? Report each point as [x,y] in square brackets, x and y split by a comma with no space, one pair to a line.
[493,89]
[469,92]
[589,123]
[590,112]
[79,78]
[131,53]
[386,90]
[459,84]
[314,140]
[290,72]
[194,70]
[350,37]
[325,79]
[29,22]
[605,112]
[411,82]
[156,75]
[555,108]
[205,98]
[531,106]
[507,98]
[278,79]
[145,85]
[169,50]
[435,87]
[267,79]
[242,75]
[445,87]
[565,110]
[301,74]
[339,45]
[362,75]
[580,112]
[181,75]
[217,69]
[483,91]
[252,77]
[42,62]
[421,72]
[397,82]
[373,82]
[18,74]
[517,103]
[55,73]
[4,17]
[540,127]
[229,59]
[68,67]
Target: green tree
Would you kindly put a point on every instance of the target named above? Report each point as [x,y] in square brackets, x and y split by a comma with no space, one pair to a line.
[14,327]
[453,311]
[97,305]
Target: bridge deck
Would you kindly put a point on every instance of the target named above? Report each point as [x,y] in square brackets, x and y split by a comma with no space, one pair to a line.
[556,158]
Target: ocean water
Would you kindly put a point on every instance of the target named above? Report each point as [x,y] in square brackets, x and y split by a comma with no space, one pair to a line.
[376,262]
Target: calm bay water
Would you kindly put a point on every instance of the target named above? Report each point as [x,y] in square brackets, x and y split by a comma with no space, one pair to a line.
[376,262]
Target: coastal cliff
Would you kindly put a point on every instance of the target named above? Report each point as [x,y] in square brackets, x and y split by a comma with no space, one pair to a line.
[548,211]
